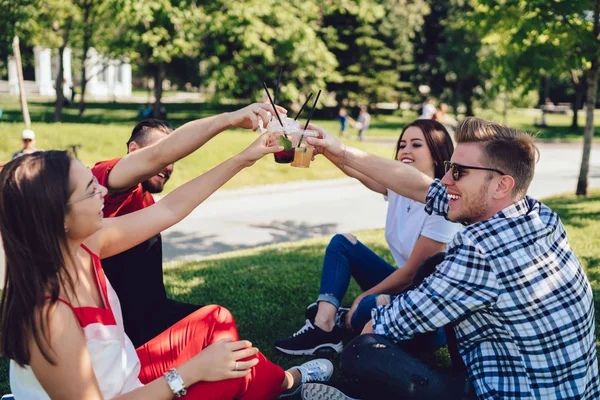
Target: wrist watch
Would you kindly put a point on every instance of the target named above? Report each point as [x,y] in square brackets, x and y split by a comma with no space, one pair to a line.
[175,383]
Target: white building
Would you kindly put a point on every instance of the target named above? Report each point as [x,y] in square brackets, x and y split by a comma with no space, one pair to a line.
[107,78]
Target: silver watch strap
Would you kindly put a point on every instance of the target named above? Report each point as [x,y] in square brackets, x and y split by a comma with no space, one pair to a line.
[175,382]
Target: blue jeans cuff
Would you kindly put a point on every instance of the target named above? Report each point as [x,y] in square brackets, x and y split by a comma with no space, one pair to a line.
[329,298]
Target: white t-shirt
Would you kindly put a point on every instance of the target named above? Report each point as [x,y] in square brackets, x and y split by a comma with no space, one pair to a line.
[428,111]
[407,220]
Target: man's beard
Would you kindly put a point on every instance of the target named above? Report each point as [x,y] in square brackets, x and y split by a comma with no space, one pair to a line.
[477,207]
[152,187]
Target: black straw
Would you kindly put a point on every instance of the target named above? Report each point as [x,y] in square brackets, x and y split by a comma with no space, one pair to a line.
[275,109]
[303,105]
[277,86]
[313,110]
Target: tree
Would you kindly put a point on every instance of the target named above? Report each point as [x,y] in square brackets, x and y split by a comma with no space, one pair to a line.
[153,32]
[246,43]
[538,37]
[446,54]
[16,19]
[95,23]
[372,43]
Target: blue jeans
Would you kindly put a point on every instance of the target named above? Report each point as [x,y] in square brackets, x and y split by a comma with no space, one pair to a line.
[343,260]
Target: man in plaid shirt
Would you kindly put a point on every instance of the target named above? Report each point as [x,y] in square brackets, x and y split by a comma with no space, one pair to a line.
[510,285]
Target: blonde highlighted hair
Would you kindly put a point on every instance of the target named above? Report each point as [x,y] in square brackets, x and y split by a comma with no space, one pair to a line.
[506,149]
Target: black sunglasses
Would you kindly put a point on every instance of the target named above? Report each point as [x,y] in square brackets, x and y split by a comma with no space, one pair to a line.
[458,170]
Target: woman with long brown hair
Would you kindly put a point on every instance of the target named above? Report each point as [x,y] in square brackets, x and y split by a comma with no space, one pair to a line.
[61,320]
[412,236]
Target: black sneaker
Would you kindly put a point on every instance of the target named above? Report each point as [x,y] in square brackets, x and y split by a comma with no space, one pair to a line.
[340,315]
[310,340]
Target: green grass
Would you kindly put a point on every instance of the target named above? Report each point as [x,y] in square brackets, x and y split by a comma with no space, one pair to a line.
[268,288]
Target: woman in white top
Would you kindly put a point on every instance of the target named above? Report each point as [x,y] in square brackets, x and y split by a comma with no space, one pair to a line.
[412,236]
[61,324]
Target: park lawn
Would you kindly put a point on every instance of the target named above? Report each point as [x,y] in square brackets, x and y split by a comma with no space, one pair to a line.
[101,142]
[268,288]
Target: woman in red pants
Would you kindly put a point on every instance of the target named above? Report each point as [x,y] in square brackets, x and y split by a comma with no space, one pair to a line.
[61,320]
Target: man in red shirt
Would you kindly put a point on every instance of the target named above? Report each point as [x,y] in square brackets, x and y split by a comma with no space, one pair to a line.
[136,274]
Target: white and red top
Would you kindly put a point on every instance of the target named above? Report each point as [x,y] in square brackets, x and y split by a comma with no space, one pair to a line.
[114,359]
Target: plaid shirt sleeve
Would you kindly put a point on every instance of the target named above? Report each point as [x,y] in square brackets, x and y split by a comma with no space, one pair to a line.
[461,284]
[437,199]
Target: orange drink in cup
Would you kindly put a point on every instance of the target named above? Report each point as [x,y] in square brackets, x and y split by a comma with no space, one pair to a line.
[303,152]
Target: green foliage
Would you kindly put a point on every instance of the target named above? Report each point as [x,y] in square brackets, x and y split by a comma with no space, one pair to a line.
[156,31]
[371,41]
[16,19]
[530,38]
[246,43]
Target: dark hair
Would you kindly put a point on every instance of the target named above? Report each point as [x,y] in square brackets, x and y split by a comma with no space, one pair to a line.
[141,130]
[506,149]
[438,140]
[34,190]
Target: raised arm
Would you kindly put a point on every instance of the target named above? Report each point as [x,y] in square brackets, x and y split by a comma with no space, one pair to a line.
[351,172]
[146,162]
[121,233]
[402,179]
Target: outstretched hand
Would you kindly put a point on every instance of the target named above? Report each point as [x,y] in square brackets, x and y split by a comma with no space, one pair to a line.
[249,116]
[325,141]
[262,146]
[218,361]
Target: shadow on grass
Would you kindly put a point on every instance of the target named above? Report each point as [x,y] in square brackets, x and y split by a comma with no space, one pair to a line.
[575,211]
[115,113]
[267,291]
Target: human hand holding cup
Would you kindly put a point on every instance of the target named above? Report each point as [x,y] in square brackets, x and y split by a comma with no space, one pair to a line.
[262,146]
[325,141]
[250,117]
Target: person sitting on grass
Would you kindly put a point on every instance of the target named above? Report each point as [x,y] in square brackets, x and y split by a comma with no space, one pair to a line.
[510,286]
[412,236]
[137,274]
[61,321]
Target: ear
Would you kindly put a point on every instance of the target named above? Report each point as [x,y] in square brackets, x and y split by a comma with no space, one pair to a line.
[504,187]
[133,146]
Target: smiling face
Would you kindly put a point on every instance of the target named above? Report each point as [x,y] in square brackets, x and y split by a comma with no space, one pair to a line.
[471,197]
[413,151]
[84,216]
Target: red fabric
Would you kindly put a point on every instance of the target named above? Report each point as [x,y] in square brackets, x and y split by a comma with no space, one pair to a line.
[126,202]
[187,338]
[91,315]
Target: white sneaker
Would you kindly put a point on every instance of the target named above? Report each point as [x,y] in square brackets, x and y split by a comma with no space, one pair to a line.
[319,391]
[319,370]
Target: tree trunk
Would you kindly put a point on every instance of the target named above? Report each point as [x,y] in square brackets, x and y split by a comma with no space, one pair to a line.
[575,105]
[60,95]
[159,77]
[588,132]
[591,96]
[24,108]
[87,35]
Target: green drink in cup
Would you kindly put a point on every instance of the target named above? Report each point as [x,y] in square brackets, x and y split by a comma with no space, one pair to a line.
[285,137]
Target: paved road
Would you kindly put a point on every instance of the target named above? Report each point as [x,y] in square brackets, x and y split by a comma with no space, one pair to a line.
[239,219]
[245,218]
